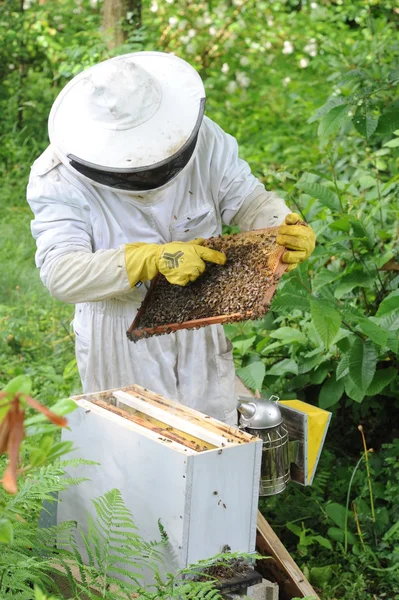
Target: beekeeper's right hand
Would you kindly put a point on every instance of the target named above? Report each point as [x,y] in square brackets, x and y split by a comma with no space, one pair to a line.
[179,262]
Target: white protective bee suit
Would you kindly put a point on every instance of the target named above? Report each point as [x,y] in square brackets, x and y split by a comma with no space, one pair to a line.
[81,228]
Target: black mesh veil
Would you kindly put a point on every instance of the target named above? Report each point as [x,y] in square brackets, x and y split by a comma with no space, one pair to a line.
[143,178]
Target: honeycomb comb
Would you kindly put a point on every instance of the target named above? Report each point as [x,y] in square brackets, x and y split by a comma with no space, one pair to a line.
[241,289]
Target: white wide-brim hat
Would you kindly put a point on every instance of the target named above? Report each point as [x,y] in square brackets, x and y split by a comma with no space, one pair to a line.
[129,112]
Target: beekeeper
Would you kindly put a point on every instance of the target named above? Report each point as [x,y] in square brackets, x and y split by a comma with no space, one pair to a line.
[134,173]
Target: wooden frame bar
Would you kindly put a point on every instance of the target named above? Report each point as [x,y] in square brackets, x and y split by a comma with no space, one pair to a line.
[280,566]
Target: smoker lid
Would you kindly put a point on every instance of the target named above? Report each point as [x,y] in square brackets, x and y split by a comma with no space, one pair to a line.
[259,413]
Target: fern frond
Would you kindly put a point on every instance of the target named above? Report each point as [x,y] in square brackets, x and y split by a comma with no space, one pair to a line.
[320,484]
[77,462]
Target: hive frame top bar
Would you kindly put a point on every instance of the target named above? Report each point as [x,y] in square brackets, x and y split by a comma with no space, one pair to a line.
[135,332]
[182,425]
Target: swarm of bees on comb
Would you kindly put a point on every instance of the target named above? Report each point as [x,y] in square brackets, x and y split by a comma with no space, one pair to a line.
[241,289]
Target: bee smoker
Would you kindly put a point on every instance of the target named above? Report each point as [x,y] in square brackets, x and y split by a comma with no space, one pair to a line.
[263,419]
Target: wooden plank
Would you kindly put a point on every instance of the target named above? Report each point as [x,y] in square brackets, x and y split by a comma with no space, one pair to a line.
[280,567]
[215,440]
[165,433]
[101,409]
[136,334]
[232,434]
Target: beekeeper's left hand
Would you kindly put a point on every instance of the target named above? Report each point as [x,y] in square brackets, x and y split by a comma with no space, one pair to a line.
[299,239]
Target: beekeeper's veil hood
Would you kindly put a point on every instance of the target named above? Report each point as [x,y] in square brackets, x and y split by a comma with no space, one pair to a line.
[131,122]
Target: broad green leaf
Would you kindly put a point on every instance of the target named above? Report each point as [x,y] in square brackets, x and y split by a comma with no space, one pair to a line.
[342,224]
[243,343]
[390,321]
[332,121]
[320,576]
[231,330]
[362,364]
[337,513]
[381,165]
[252,375]
[364,122]
[289,335]
[323,542]
[62,407]
[287,301]
[392,143]
[71,368]
[260,346]
[319,375]
[391,531]
[326,319]
[39,595]
[37,457]
[342,335]
[6,532]
[384,258]
[323,277]
[19,385]
[338,535]
[390,303]
[297,383]
[307,364]
[351,281]
[376,334]
[270,347]
[393,341]
[294,529]
[364,231]
[59,450]
[389,120]
[331,103]
[343,367]
[382,152]
[353,391]
[326,196]
[331,392]
[382,517]
[381,379]
[284,366]
[366,182]
[354,74]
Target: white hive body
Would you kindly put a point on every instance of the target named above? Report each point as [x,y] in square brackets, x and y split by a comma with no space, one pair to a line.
[197,475]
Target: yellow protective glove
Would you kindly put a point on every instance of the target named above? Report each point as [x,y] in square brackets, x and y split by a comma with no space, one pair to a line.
[299,239]
[180,262]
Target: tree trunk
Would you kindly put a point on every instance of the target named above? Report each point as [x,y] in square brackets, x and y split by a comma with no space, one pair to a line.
[118,16]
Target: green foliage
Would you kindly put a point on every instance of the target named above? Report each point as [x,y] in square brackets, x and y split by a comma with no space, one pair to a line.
[118,555]
[310,92]
[25,558]
[366,565]
[343,303]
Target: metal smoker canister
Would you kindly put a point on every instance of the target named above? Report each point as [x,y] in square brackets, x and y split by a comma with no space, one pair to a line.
[263,418]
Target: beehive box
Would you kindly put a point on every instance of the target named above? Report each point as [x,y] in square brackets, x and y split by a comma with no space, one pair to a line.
[197,475]
[241,289]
